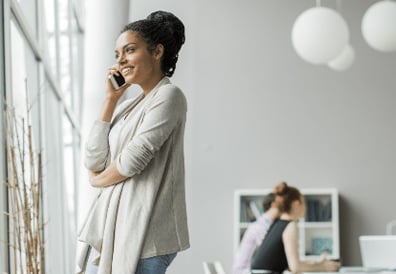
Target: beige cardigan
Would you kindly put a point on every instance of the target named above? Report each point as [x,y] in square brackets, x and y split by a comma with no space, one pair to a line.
[145,215]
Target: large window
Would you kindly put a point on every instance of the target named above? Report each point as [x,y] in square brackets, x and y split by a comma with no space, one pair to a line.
[42,63]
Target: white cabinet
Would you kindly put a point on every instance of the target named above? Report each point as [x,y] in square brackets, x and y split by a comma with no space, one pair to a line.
[319,230]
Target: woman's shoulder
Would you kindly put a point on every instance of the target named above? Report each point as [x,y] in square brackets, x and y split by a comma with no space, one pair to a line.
[291,227]
[170,90]
[171,93]
[281,225]
[289,231]
[282,222]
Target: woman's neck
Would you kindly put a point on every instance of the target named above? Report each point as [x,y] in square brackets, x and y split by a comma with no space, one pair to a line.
[150,85]
[287,216]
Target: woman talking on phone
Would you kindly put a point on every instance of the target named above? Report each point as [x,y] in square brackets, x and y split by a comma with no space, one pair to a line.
[138,222]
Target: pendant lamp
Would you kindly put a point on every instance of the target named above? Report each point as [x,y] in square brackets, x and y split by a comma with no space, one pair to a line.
[379,26]
[319,35]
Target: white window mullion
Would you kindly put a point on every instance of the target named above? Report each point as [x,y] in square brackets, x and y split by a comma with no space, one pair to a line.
[57,42]
[5,63]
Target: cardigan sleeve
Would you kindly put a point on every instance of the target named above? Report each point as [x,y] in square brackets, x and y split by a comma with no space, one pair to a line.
[163,115]
[97,147]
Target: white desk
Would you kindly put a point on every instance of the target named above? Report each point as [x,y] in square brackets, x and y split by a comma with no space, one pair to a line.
[355,272]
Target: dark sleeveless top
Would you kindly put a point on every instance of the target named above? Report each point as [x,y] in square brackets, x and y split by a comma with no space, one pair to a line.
[271,255]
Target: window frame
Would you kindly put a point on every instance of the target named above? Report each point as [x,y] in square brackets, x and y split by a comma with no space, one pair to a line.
[35,39]
[4,80]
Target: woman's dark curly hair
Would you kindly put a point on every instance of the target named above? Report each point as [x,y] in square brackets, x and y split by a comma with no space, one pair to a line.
[164,28]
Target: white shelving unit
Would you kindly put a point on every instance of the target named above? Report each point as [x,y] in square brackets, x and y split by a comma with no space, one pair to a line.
[319,230]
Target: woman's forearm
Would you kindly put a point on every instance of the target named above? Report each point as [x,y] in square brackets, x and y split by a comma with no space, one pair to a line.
[109,176]
[322,266]
[109,106]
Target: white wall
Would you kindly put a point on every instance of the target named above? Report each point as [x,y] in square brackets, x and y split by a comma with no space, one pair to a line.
[258,115]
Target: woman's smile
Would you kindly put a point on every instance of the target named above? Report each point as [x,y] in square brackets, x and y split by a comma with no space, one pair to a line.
[126,70]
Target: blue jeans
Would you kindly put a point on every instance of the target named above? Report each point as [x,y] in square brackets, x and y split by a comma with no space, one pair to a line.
[155,265]
[152,265]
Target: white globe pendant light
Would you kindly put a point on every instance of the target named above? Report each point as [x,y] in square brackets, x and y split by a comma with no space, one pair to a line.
[344,60]
[379,26]
[319,35]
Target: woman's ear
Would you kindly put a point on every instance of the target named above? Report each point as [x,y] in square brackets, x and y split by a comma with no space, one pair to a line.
[296,204]
[158,52]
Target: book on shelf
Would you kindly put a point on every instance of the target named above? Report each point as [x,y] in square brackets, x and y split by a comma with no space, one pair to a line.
[317,211]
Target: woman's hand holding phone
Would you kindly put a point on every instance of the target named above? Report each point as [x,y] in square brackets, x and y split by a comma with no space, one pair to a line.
[117,80]
[116,84]
[113,94]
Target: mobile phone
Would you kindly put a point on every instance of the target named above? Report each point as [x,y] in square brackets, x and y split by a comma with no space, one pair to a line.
[117,80]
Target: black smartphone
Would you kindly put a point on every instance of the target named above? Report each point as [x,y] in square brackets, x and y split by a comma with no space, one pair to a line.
[117,80]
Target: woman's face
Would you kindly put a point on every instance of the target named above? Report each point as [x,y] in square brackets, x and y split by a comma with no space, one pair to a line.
[298,208]
[302,208]
[135,62]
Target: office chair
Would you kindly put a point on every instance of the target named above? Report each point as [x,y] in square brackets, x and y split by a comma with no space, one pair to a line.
[213,268]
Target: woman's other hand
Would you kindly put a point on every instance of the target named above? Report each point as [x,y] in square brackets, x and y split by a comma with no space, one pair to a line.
[330,266]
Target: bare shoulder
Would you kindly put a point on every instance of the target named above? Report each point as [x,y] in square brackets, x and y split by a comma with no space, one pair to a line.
[291,230]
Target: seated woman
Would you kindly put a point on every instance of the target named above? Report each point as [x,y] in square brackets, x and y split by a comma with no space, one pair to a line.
[279,249]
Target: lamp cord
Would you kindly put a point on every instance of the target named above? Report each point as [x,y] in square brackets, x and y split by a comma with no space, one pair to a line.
[338,6]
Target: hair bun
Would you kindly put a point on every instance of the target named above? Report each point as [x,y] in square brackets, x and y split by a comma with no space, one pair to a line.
[285,195]
[281,189]
[171,22]
[156,16]
[159,16]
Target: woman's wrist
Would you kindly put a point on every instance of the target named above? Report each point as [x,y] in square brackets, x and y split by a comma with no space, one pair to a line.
[112,98]
[109,106]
